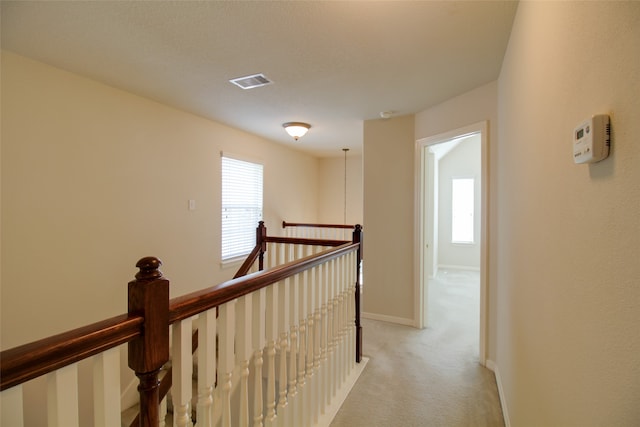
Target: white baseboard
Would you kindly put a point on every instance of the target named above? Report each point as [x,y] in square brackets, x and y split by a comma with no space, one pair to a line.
[337,401]
[491,365]
[457,267]
[390,319]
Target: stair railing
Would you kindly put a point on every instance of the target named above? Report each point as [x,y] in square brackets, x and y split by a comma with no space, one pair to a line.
[318,231]
[310,332]
[145,330]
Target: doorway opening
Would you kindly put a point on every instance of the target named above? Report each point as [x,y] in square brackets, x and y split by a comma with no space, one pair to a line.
[451,245]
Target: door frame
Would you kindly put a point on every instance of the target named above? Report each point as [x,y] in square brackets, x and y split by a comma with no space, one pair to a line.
[420,218]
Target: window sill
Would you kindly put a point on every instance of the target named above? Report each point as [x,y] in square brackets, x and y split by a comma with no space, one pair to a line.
[232,262]
[463,243]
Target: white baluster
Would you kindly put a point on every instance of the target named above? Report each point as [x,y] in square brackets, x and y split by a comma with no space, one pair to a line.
[311,395]
[282,380]
[335,328]
[347,324]
[11,407]
[352,309]
[316,345]
[337,331]
[283,328]
[182,363]
[258,339]
[328,359]
[62,397]
[226,321]
[302,353]
[325,368]
[340,305]
[106,388]
[325,336]
[243,353]
[272,335]
[271,384]
[280,259]
[162,413]
[206,367]
[350,312]
[289,255]
[337,325]
[294,311]
[274,255]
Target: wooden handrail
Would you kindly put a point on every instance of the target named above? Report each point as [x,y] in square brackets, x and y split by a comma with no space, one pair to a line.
[29,361]
[246,265]
[262,238]
[305,241]
[145,326]
[185,306]
[302,224]
[258,250]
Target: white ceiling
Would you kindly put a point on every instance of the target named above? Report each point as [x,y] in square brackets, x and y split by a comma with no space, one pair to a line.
[333,63]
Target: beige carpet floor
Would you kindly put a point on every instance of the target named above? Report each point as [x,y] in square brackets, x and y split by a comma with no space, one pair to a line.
[428,377]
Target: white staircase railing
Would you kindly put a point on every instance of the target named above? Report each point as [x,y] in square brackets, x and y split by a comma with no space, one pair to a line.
[273,347]
[295,339]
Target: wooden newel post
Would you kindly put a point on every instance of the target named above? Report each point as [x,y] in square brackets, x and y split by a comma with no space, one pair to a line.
[261,234]
[357,238]
[149,297]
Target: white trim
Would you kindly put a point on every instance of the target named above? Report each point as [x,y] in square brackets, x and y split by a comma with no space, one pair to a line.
[242,157]
[389,319]
[492,366]
[337,401]
[233,262]
[457,267]
[481,128]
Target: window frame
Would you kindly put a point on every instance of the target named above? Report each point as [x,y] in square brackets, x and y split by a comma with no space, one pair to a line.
[227,255]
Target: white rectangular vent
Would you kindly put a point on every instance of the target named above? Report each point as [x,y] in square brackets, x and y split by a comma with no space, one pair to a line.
[250,82]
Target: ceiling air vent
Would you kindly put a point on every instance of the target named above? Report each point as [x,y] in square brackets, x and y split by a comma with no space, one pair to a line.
[250,82]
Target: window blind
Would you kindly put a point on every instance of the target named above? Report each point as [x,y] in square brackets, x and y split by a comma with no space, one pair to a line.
[241,206]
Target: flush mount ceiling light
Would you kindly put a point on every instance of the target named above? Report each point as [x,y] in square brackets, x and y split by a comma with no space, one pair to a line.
[296,129]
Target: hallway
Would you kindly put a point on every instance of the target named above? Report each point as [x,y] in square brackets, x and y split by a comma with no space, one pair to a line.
[428,377]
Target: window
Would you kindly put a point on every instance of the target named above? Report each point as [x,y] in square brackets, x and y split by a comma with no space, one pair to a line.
[241,206]
[462,203]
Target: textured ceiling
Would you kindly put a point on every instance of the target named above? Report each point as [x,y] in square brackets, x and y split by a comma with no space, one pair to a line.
[334,64]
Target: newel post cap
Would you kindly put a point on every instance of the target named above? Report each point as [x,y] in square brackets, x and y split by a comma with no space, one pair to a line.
[149,268]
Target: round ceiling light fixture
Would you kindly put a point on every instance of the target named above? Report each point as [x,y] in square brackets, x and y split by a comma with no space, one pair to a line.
[296,129]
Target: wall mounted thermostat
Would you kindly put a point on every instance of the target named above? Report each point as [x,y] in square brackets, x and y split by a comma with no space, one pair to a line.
[591,140]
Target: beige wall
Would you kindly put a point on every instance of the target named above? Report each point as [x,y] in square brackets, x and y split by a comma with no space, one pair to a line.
[388,217]
[569,238]
[331,193]
[94,178]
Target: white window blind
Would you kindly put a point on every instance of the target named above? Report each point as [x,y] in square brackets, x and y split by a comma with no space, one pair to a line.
[462,196]
[241,206]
